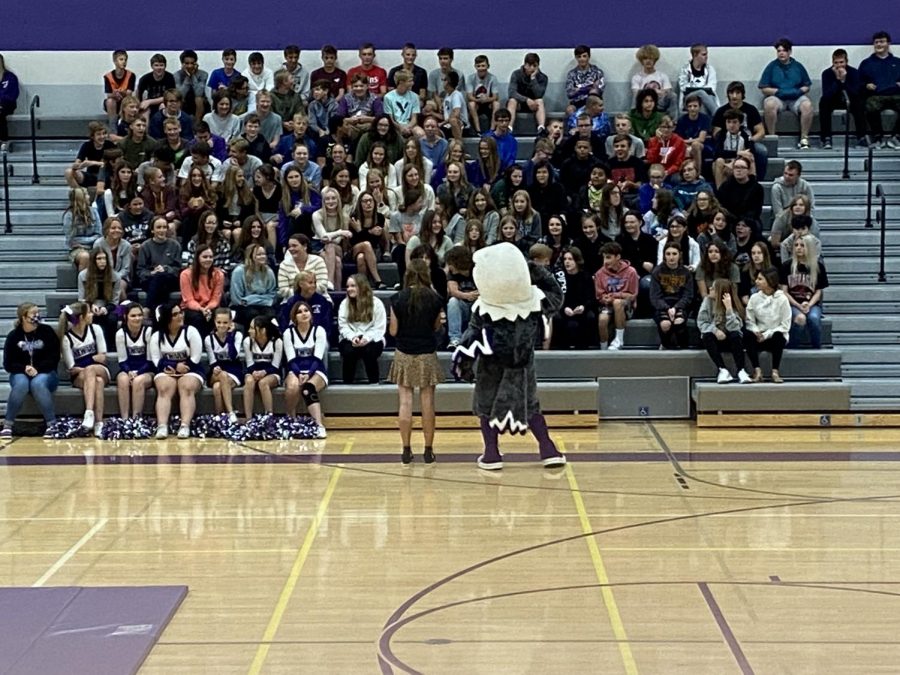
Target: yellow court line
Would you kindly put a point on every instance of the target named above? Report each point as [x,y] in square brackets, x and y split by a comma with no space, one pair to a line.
[609,600]
[275,621]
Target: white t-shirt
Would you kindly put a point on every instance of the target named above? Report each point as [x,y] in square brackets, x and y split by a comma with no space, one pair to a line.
[456,100]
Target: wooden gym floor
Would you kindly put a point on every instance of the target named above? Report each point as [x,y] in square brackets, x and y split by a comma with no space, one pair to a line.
[660,548]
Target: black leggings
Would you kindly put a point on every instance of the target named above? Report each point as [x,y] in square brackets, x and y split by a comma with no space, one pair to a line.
[351,355]
[774,344]
[677,336]
[714,347]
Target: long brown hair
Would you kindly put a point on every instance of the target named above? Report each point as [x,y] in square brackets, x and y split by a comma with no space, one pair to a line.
[361,308]
[719,288]
[197,271]
[95,277]
[418,280]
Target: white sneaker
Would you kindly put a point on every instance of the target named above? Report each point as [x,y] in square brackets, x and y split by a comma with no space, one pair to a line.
[893,142]
[162,431]
[98,429]
[743,377]
[232,418]
[88,421]
[724,376]
[321,432]
[184,432]
[615,345]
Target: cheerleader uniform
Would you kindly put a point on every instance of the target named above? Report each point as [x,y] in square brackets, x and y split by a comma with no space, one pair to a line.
[226,355]
[187,348]
[266,357]
[132,351]
[305,355]
[79,352]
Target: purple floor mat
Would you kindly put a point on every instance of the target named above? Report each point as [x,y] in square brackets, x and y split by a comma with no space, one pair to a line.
[73,630]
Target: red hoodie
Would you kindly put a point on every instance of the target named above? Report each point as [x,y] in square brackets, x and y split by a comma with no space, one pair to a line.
[625,280]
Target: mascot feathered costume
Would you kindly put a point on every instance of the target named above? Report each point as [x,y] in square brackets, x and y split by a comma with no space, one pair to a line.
[497,349]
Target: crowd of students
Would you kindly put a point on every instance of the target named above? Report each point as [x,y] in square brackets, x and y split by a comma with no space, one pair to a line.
[249,193]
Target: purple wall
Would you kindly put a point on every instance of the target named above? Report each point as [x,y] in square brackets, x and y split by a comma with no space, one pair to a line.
[58,25]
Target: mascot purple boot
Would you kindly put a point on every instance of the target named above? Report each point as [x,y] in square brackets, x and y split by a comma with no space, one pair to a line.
[497,349]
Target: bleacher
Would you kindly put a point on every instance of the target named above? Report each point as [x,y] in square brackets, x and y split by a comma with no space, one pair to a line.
[858,369]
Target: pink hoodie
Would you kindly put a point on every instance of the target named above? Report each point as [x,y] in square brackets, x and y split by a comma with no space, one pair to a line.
[623,281]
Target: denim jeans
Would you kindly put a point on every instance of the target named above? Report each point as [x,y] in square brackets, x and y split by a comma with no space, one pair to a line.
[813,325]
[41,387]
[458,313]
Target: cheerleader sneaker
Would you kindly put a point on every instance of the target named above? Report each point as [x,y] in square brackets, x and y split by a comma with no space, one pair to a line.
[162,431]
[184,432]
[232,418]
[88,421]
[98,430]
[321,433]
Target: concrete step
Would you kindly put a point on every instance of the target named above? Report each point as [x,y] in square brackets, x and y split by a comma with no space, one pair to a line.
[875,387]
[875,404]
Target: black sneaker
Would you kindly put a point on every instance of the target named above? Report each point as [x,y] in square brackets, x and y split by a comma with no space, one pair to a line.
[429,456]
[407,456]
[826,144]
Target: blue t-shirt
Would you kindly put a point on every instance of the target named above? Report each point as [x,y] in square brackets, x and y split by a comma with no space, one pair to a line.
[218,77]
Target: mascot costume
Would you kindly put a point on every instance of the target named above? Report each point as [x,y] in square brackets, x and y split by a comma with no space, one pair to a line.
[497,349]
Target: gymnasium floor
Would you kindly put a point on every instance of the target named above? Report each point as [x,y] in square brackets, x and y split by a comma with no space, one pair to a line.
[660,548]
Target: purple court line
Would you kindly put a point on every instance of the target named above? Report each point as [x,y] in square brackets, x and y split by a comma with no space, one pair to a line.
[448,458]
[726,629]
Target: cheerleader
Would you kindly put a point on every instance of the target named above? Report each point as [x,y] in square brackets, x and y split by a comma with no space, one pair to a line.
[305,350]
[175,351]
[135,370]
[84,353]
[223,349]
[262,354]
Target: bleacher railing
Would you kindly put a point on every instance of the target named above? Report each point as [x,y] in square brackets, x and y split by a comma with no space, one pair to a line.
[868,165]
[35,103]
[845,174]
[881,218]
[3,153]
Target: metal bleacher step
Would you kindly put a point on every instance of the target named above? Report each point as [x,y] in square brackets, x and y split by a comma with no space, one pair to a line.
[792,396]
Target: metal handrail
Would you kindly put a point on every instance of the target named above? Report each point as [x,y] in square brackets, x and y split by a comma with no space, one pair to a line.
[4,151]
[881,217]
[35,103]
[845,175]
[868,167]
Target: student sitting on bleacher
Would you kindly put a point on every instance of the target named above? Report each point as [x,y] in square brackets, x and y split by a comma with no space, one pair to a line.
[666,147]
[804,279]
[306,363]
[715,263]
[741,194]
[696,130]
[676,233]
[158,264]
[100,287]
[759,260]
[745,236]
[720,321]
[362,322]
[671,295]
[202,287]
[645,116]
[700,214]
[86,167]
[720,228]
[135,369]
[662,208]
[768,323]
[574,325]
[801,226]
[639,249]
[81,225]
[616,288]
[84,354]
[263,352]
[31,356]
[117,248]
[175,351]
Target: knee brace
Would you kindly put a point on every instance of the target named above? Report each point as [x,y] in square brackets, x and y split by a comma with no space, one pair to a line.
[309,393]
